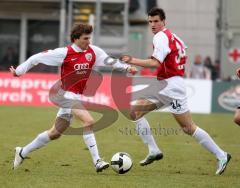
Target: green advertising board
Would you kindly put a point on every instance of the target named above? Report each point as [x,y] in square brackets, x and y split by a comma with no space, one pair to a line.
[225,96]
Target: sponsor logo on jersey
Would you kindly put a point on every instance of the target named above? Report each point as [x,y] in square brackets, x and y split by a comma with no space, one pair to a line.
[82,66]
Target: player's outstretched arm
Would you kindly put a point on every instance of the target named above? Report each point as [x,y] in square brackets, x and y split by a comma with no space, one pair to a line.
[140,62]
[102,59]
[50,57]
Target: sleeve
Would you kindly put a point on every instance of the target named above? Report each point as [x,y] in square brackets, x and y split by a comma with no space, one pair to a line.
[161,46]
[102,59]
[51,57]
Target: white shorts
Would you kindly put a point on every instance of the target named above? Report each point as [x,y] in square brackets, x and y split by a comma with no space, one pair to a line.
[169,93]
[66,100]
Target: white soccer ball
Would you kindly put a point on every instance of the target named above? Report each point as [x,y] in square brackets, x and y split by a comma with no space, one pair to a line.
[121,162]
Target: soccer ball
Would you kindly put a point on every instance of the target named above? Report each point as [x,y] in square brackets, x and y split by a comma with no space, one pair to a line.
[121,162]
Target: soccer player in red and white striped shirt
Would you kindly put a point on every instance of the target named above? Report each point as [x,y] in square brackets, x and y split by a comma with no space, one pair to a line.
[77,59]
[168,58]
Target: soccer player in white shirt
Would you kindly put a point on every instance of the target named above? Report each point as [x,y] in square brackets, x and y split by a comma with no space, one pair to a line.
[169,57]
[75,59]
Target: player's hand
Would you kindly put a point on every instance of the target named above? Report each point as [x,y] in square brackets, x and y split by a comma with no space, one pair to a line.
[238,72]
[132,70]
[126,58]
[13,71]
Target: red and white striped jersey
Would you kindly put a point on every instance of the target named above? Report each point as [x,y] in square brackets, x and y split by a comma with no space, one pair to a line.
[169,50]
[76,69]
[76,64]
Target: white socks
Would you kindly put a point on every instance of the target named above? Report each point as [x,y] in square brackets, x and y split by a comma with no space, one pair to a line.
[90,141]
[41,140]
[144,131]
[207,142]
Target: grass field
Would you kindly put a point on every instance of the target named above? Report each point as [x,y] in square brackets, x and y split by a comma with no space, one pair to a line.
[67,163]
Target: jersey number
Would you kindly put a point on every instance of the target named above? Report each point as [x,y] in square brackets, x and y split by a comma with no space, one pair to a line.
[181,52]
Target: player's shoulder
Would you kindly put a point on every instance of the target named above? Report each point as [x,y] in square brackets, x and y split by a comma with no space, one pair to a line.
[97,50]
[61,52]
[56,50]
[160,36]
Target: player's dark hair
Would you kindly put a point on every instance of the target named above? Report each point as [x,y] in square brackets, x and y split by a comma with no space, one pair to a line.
[157,12]
[80,29]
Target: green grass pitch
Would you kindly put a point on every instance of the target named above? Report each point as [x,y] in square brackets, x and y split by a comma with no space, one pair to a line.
[67,163]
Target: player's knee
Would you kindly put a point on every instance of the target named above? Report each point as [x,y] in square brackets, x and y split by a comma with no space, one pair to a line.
[188,130]
[135,115]
[138,110]
[54,134]
[88,125]
[90,122]
[237,120]
[55,137]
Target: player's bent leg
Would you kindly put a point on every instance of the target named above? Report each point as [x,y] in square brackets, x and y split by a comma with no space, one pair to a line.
[89,138]
[190,128]
[143,129]
[141,108]
[61,124]
[42,139]
[21,153]
[85,117]
[186,122]
[237,116]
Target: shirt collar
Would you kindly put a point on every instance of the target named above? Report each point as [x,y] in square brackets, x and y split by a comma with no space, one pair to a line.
[76,48]
[164,29]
